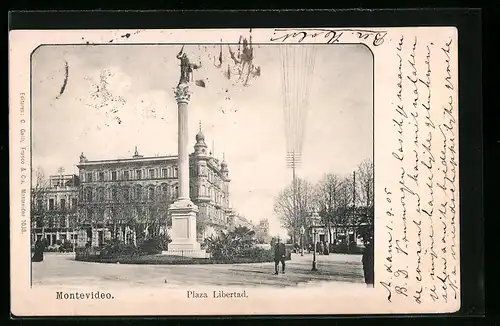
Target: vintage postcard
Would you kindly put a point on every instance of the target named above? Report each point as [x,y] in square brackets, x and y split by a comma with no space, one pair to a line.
[234,171]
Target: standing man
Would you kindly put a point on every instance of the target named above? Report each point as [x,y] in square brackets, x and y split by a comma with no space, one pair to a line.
[279,256]
[38,251]
[368,262]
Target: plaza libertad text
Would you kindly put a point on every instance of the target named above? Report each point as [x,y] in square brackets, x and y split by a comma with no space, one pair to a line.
[216,294]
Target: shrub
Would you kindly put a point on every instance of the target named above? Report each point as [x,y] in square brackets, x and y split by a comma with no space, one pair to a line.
[256,253]
[154,245]
[116,248]
[227,245]
[66,246]
[344,248]
[222,246]
[340,248]
[54,248]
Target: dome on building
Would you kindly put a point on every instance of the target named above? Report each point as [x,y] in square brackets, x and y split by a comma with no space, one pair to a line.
[223,164]
[200,136]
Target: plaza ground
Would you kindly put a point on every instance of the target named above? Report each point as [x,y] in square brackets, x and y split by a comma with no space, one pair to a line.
[63,270]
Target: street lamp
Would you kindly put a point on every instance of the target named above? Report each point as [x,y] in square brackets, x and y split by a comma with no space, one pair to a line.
[302,231]
[315,218]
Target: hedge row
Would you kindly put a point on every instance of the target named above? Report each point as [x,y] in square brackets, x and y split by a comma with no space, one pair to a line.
[167,260]
[255,255]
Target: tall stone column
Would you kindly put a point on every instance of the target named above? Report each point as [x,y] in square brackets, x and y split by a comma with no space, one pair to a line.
[182,96]
[183,210]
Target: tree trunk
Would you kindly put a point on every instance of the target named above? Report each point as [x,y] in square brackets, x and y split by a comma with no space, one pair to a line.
[330,233]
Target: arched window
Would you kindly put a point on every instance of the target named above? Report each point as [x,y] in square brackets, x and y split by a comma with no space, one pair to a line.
[100,194]
[176,191]
[126,194]
[169,172]
[114,194]
[164,191]
[90,214]
[175,172]
[203,190]
[89,194]
[151,193]
[100,214]
[138,192]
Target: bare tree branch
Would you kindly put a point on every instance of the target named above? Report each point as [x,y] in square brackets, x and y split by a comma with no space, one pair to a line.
[294,208]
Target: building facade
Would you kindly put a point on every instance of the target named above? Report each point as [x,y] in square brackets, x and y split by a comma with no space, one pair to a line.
[262,231]
[129,198]
[54,209]
[238,220]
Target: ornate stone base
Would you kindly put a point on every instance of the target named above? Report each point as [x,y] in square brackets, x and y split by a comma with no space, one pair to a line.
[183,226]
[197,253]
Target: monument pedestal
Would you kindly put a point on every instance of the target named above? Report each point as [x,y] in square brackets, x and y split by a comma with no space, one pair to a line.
[184,242]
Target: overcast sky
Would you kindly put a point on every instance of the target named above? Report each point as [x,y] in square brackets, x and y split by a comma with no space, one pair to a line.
[245,123]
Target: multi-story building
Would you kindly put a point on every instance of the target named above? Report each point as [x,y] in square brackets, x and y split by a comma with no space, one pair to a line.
[238,220]
[262,231]
[54,209]
[130,197]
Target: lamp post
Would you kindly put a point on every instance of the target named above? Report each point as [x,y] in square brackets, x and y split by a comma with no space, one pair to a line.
[302,231]
[314,224]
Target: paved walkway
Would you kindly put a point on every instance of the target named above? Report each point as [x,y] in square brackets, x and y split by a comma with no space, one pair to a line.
[57,269]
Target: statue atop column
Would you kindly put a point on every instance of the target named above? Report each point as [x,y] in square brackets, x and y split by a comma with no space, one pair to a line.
[187,68]
[182,93]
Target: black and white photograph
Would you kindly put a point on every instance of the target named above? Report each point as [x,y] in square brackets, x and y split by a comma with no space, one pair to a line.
[242,171]
[217,164]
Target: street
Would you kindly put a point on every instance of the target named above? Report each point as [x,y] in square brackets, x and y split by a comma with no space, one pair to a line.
[63,270]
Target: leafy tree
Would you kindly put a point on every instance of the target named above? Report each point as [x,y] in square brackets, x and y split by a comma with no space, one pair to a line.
[142,209]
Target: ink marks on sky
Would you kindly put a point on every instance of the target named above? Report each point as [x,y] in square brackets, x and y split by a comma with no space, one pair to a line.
[65,82]
[420,249]
[231,67]
[125,36]
[102,99]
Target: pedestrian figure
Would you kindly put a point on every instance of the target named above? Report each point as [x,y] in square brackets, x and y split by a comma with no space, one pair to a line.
[326,250]
[279,256]
[38,251]
[368,263]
